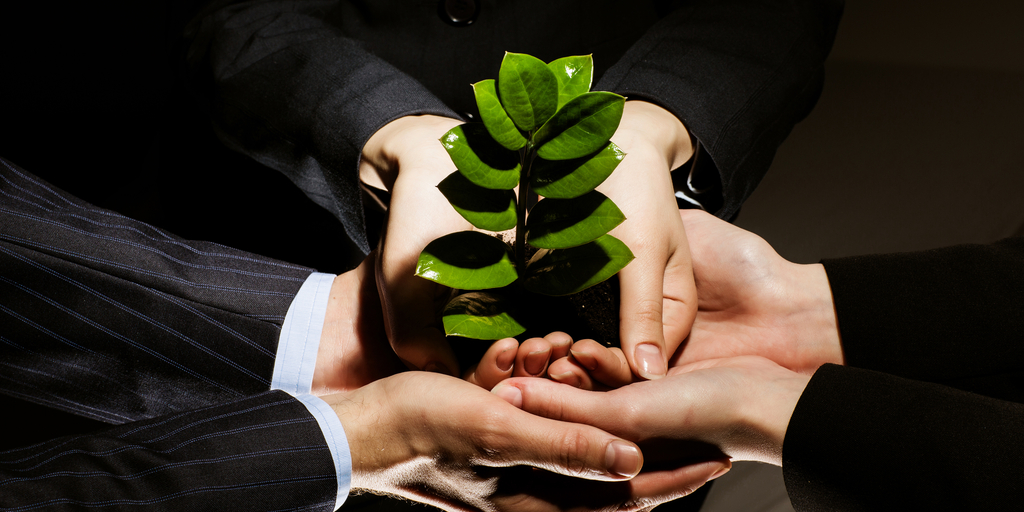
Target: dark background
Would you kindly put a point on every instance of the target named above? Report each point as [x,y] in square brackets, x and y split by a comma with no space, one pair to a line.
[916,142]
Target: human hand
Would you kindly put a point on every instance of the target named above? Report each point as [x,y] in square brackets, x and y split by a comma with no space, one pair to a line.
[751,301]
[406,158]
[658,297]
[442,441]
[740,406]
[353,349]
[507,358]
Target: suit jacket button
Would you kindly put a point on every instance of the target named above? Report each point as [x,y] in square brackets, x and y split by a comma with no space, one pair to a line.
[458,12]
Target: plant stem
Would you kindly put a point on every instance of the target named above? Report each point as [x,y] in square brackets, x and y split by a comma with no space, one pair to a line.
[526,156]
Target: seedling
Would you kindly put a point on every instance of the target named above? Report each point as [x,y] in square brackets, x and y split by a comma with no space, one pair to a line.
[544,132]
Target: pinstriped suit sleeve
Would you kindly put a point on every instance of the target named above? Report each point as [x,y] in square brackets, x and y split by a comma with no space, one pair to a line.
[113,319]
[109,318]
[264,452]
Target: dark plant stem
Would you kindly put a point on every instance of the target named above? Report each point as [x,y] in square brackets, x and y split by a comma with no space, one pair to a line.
[526,157]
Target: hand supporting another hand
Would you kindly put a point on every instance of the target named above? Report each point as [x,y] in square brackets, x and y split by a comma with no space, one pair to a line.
[353,349]
[740,406]
[658,297]
[406,158]
[439,440]
[751,301]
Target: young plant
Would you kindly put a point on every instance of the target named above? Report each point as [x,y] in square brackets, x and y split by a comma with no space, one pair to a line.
[544,132]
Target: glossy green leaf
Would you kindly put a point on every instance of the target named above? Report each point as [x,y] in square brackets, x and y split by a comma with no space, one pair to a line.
[493,210]
[581,127]
[564,223]
[467,260]
[480,159]
[527,89]
[495,119]
[574,75]
[481,315]
[565,179]
[567,271]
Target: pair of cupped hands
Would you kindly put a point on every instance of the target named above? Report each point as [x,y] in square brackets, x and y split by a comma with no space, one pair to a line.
[719,337]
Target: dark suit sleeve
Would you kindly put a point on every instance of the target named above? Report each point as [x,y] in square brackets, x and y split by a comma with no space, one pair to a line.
[928,412]
[864,440]
[291,90]
[264,452]
[739,75]
[951,316]
[109,318]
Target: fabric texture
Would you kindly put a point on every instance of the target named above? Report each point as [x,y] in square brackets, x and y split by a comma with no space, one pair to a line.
[301,85]
[175,340]
[928,412]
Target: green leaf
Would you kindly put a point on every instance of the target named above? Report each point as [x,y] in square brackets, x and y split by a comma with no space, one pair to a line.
[574,75]
[564,223]
[568,271]
[467,260]
[581,127]
[493,210]
[481,315]
[565,179]
[528,90]
[480,159]
[495,119]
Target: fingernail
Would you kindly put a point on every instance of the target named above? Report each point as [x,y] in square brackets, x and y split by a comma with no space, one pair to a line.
[720,472]
[437,367]
[535,362]
[649,361]
[569,378]
[623,459]
[584,359]
[505,360]
[510,394]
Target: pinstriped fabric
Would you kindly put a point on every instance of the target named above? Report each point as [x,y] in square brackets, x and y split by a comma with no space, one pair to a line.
[116,320]
[264,452]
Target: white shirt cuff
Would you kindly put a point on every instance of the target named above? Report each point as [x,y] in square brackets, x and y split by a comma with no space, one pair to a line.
[300,336]
[296,360]
[334,434]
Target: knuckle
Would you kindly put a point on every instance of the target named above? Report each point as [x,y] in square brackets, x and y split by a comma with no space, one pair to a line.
[574,450]
[647,311]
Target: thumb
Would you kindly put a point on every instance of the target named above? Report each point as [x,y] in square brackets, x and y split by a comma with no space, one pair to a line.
[567,448]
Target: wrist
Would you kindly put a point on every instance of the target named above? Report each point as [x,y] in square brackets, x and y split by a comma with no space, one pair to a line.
[646,123]
[385,150]
[818,327]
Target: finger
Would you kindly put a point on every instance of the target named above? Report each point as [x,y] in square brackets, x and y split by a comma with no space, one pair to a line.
[532,358]
[560,344]
[567,371]
[408,305]
[679,293]
[571,449]
[656,486]
[495,365]
[640,313]
[556,401]
[605,365]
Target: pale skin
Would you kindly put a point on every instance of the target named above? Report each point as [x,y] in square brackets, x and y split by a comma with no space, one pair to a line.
[449,443]
[658,293]
[763,326]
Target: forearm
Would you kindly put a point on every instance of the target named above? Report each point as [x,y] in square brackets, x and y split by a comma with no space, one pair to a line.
[263,451]
[291,90]
[947,315]
[113,319]
[861,440]
[738,74]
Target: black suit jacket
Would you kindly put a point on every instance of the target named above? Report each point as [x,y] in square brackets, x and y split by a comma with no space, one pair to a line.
[301,85]
[116,320]
[928,414]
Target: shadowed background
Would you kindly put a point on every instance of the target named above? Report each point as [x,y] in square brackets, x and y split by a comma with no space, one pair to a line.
[916,143]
